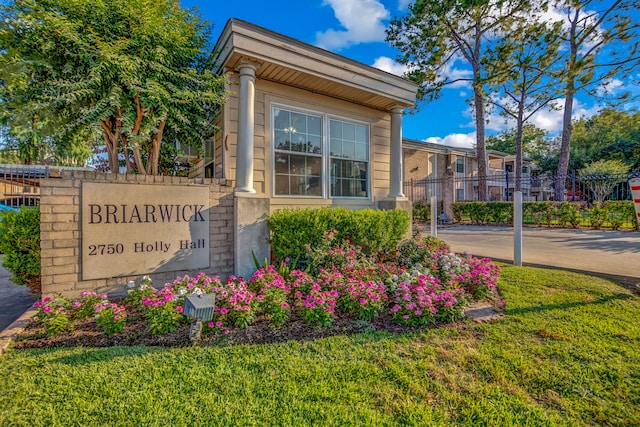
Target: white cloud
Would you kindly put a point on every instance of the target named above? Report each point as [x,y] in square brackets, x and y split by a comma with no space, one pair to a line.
[460,140]
[390,66]
[610,87]
[549,119]
[451,73]
[362,20]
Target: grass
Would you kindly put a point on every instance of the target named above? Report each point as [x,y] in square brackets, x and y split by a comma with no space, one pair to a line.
[567,353]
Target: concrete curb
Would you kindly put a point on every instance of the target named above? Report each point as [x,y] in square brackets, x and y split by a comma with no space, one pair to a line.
[11,332]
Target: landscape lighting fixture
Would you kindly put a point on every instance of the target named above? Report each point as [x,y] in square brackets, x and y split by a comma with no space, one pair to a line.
[200,308]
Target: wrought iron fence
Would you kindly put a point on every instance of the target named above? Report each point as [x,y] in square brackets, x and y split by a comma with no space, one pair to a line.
[535,187]
[20,184]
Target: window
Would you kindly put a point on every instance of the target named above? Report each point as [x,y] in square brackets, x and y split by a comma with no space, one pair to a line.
[298,153]
[459,193]
[460,165]
[349,159]
[303,153]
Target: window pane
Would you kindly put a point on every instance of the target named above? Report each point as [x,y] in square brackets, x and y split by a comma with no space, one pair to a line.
[348,149]
[281,119]
[282,163]
[361,134]
[282,184]
[298,123]
[348,132]
[314,125]
[315,144]
[361,152]
[336,147]
[282,140]
[336,129]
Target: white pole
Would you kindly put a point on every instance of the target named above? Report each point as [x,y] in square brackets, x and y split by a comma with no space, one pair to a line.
[434,216]
[517,229]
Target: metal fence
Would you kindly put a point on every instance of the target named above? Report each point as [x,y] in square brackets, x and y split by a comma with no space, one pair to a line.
[20,184]
[535,187]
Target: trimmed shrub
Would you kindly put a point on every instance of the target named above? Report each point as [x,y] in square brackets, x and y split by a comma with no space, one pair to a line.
[20,243]
[597,216]
[620,212]
[540,212]
[570,214]
[376,231]
[500,212]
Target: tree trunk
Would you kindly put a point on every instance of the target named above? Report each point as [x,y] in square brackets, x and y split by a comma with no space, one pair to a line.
[518,165]
[565,144]
[111,143]
[154,153]
[481,148]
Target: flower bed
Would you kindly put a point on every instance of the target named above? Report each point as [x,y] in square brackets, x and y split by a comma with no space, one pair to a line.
[342,288]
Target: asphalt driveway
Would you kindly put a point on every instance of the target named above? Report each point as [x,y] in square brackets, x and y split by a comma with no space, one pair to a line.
[14,299]
[612,253]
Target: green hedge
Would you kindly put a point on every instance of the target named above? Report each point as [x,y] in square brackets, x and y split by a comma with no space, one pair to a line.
[20,243]
[422,210]
[614,214]
[377,231]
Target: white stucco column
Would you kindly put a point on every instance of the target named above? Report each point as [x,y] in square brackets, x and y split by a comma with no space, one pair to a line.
[246,119]
[395,185]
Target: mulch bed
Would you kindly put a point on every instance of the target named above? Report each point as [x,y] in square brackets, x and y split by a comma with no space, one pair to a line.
[87,333]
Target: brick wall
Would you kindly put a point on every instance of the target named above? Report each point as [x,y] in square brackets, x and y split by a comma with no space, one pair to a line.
[60,234]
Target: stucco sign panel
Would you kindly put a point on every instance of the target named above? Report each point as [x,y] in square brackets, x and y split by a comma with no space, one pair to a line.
[136,229]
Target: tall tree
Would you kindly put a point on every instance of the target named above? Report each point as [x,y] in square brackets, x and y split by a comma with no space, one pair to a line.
[609,135]
[601,42]
[129,70]
[521,65]
[437,33]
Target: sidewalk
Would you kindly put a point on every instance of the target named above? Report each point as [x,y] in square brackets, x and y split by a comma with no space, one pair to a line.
[610,253]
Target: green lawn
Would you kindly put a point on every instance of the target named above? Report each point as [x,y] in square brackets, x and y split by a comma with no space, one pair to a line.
[567,353]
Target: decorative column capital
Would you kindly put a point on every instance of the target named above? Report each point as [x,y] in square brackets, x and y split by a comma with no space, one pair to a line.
[397,109]
[247,66]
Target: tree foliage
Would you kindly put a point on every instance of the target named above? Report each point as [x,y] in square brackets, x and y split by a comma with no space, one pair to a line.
[609,135]
[593,36]
[437,33]
[523,85]
[535,143]
[135,72]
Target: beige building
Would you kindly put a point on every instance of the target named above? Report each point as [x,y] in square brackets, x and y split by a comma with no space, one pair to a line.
[450,173]
[304,127]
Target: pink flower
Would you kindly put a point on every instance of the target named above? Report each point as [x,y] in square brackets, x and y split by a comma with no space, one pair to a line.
[224,310]
[47,309]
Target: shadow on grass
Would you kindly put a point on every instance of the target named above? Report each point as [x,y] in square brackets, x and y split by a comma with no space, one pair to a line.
[102,354]
[566,305]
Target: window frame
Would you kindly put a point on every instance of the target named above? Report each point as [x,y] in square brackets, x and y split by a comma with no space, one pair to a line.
[325,153]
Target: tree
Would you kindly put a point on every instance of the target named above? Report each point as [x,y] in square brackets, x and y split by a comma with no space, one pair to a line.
[522,85]
[600,45]
[437,33]
[609,135]
[131,71]
[601,176]
[534,141]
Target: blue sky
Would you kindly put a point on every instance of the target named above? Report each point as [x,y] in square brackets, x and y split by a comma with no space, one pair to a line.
[355,29]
